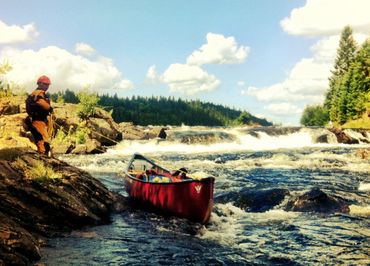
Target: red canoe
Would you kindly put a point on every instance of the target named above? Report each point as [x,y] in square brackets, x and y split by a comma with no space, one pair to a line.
[181,197]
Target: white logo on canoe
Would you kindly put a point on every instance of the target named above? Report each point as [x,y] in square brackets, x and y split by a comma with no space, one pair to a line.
[198,188]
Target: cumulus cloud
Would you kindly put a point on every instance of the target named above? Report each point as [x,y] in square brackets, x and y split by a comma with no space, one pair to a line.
[17,34]
[283,109]
[65,69]
[219,50]
[189,79]
[152,75]
[84,49]
[307,81]
[328,17]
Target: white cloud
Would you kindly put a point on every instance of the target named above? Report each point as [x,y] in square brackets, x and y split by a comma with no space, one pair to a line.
[152,76]
[189,80]
[307,81]
[283,109]
[219,50]
[17,34]
[241,83]
[66,70]
[84,49]
[328,17]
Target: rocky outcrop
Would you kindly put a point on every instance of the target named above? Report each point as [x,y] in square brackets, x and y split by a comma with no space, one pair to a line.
[101,129]
[32,209]
[254,200]
[132,132]
[351,136]
[200,137]
[315,200]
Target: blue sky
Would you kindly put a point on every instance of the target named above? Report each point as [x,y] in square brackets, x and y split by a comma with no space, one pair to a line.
[268,57]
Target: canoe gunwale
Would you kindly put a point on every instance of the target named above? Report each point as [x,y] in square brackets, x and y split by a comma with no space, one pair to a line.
[137,156]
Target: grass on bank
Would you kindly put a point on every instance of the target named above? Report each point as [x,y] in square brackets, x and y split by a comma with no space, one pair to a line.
[37,172]
[363,122]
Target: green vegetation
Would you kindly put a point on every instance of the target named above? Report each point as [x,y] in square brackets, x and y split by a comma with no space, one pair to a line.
[5,90]
[315,115]
[348,96]
[165,111]
[87,104]
[37,172]
[246,118]
[77,135]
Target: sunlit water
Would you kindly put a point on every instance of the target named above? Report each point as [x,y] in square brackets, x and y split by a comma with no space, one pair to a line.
[233,236]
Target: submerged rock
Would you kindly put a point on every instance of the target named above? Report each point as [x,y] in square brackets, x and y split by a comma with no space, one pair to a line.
[254,200]
[363,153]
[34,208]
[315,200]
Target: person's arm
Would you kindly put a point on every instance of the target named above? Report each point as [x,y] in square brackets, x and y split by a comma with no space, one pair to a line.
[43,102]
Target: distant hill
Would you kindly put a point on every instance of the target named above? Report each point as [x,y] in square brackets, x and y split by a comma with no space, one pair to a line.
[168,111]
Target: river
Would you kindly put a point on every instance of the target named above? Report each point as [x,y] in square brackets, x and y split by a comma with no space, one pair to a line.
[238,159]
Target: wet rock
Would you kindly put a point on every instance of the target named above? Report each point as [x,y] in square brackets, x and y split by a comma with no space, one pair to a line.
[132,132]
[32,209]
[276,131]
[315,200]
[254,200]
[363,153]
[17,245]
[342,137]
[361,135]
[201,137]
[219,160]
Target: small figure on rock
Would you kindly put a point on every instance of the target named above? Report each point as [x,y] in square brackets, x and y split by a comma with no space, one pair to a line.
[39,120]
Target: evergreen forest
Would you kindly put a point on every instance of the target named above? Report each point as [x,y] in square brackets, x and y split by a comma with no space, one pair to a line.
[348,95]
[167,111]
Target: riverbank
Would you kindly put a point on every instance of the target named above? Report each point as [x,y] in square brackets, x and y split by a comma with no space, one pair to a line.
[42,197]
[72,135]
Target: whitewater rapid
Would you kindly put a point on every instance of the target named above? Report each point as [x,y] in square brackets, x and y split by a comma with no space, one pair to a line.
[239,159]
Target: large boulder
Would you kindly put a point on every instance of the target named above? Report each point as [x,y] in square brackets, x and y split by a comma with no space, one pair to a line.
[102,129]
[133,132]
[32,208]
[12,105]
[315,200]
[255,200]
[351,136]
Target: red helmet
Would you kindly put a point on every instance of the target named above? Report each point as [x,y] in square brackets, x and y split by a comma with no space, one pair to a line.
[43,79]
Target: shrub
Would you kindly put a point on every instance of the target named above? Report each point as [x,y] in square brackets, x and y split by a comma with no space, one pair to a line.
[315,115]
[78,135]
[88,104]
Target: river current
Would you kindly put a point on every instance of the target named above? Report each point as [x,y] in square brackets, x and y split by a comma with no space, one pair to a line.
[233,236]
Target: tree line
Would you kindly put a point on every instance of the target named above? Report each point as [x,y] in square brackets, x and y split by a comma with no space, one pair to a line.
[348,95]
[166,111]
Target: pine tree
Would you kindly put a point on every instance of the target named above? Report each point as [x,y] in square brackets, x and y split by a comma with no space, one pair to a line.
[345,56]
[359,82]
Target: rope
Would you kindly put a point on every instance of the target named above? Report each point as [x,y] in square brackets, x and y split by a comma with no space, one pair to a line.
[116,142]
[61,128]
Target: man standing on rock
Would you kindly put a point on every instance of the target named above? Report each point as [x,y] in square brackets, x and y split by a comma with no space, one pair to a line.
[38,109]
